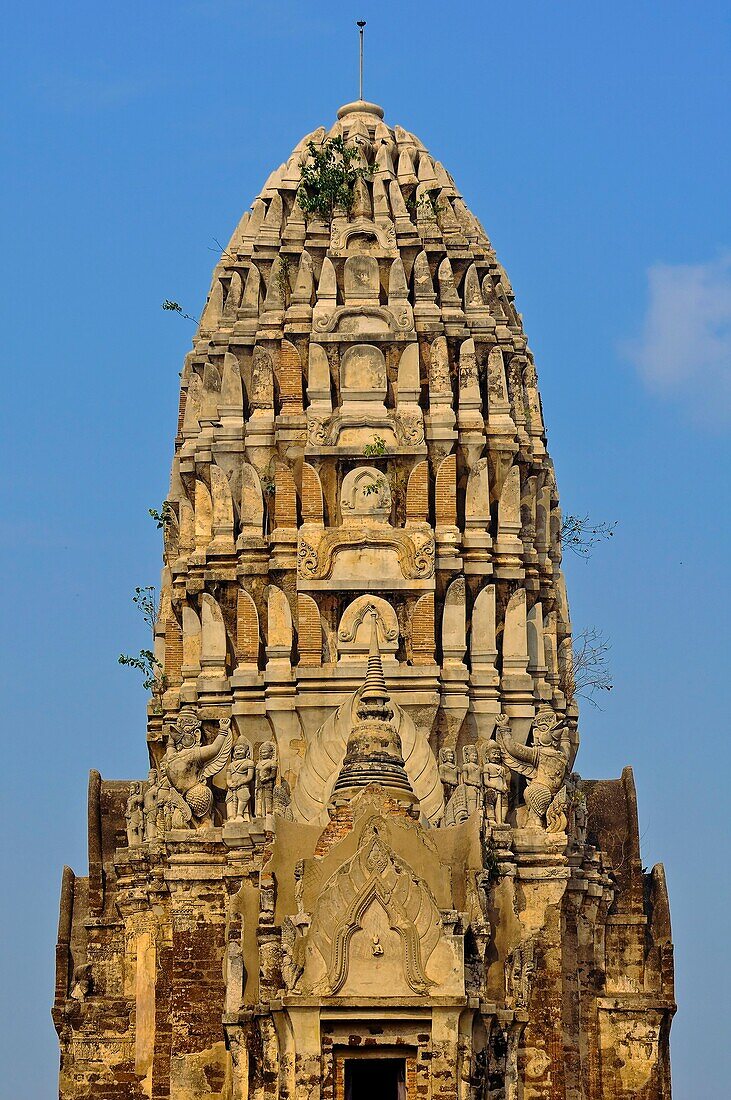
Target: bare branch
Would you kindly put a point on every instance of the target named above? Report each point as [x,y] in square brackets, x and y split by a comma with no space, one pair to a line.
[225,254]
[588,672]
[581,535]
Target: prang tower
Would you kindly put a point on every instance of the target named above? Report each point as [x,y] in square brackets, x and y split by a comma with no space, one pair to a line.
[362,864]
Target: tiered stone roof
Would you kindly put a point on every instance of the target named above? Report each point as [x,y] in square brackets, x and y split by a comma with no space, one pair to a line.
[360,414]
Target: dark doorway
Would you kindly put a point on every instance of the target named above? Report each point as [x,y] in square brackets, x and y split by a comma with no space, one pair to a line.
[375,1079]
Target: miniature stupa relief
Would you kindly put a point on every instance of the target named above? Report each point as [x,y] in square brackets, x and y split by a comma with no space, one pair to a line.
[363,862]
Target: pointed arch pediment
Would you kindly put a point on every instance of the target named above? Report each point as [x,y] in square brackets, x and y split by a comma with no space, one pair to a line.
[375,874]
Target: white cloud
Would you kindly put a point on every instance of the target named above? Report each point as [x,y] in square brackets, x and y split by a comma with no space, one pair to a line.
[685,347]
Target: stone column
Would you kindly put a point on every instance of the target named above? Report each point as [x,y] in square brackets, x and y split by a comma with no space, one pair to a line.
[144,930]
[445,1044]
[306,1029]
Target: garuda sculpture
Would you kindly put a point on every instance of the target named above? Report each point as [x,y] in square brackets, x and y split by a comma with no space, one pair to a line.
[188,765]
[544,763]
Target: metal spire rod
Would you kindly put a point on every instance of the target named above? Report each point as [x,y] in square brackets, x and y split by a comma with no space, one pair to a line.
[361,24]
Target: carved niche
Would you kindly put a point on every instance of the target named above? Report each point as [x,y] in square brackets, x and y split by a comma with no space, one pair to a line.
[354,631]
[375,899]
[363,413]
[365,496]
[366,552]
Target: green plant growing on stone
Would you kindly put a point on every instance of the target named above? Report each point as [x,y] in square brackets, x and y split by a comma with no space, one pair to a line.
[282,280]
[175,307]
[164,516]
[377,447]
[374,487]
[329,176]
[428,203]
[153,678]
[491,862]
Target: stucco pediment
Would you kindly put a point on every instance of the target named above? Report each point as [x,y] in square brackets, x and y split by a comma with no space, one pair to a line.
[376,927]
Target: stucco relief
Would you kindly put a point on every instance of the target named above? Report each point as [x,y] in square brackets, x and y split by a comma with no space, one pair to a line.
[378,897]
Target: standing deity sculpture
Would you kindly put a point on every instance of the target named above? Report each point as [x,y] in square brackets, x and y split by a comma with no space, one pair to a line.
[239,779]
[520,967]
[579,816]
[134,816]
[496,785]
[188,765]
[467,795]
[150,805]
[471,775]
[448,773]
[266,778]
[544,763]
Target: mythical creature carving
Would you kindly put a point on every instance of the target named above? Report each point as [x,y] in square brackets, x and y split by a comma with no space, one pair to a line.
[557,814]
[188,766]
[544,763]
[239,778]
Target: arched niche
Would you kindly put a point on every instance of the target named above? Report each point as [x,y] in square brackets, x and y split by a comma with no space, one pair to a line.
[354,630]
[365,496]
[363,374]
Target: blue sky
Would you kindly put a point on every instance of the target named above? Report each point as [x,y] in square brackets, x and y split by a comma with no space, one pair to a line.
[592,142]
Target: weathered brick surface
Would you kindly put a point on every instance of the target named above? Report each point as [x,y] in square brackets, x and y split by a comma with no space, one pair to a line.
[309,632]
[445,503]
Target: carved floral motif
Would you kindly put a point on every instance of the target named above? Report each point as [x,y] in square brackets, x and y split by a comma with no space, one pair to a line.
[415,550]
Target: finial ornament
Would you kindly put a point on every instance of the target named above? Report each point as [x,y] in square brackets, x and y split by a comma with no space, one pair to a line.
[361,25]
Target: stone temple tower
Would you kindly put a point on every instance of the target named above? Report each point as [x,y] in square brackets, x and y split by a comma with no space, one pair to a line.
[362,864]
